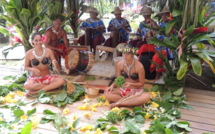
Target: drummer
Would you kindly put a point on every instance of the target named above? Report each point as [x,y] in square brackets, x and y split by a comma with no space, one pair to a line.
[142,32]
[118,24]
[98,27]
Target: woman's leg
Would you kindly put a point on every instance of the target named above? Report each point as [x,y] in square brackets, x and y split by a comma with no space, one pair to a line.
[113,96]
[32,85]
[54,83]
[81,40]
[133,42]
[108,42]
[96,41]
[135,101]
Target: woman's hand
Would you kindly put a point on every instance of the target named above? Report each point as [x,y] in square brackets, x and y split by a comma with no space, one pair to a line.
[109,89]
[127,85]
[36,71]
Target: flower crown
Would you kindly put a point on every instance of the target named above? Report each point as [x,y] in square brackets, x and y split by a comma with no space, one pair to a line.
[124,49]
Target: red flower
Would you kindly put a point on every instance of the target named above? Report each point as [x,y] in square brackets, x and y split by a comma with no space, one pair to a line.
[158,61]
[200,30]
[17,39]
[44,38]
[206,15]
[77,12]
[72,27]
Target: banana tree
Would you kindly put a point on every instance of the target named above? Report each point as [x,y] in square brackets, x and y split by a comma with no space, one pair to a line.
[76,7]
[24,15]
[191,26]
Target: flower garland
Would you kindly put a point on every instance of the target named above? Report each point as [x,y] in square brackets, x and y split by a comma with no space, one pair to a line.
[123,49]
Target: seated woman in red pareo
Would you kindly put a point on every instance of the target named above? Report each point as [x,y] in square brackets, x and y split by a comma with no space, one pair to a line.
[37,61]
[97,25]
[120,25]
[134,75]
[142,31]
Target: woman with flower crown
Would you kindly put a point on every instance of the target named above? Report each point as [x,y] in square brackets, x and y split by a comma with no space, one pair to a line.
[37,61]
[131,93]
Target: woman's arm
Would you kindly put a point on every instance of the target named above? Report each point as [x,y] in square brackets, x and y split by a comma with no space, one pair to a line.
[53,60]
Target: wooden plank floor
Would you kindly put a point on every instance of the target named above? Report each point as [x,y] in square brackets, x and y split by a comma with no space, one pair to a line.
[201,118]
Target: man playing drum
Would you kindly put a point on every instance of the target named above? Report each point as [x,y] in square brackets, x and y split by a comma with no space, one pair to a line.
[54,34]
[142,32]
[97,26]
[118,24]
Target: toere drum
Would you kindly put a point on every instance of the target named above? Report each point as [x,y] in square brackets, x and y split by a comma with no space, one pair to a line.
[115,38]
[80,60]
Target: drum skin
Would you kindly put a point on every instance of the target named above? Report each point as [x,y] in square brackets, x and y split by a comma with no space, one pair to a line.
[80,60]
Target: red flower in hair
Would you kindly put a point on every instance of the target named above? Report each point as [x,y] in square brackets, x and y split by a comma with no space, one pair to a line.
[44,38]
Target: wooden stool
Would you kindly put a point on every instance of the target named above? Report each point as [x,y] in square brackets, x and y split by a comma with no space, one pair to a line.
[107,49]
[87,48]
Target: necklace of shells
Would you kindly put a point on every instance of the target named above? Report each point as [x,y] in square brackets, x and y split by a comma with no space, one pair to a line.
[54,31]
[39,57]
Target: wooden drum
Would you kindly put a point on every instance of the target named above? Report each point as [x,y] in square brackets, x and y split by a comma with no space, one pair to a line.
[80,60]
[115,38]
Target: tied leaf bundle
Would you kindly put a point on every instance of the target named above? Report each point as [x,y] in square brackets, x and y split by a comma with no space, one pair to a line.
[119,81]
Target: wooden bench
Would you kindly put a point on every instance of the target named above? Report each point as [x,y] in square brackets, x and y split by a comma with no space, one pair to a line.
[106,49]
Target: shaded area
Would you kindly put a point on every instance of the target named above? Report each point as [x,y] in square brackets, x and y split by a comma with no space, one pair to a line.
[203,82]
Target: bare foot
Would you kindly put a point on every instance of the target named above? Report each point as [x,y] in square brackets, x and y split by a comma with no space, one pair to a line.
[31,94]
[113,105]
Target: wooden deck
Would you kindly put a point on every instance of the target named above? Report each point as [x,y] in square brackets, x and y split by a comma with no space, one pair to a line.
[201,118]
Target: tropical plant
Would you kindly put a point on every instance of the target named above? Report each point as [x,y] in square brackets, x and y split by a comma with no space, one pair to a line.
[190,25]
[24,15]
[76,7]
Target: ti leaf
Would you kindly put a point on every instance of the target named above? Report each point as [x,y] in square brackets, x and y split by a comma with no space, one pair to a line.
[27,128]
[131,127]
[196,65]
[182,70]
[30,112]
[18,113]
[178,92]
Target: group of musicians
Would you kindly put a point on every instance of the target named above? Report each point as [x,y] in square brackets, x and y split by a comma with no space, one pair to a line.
[122,27]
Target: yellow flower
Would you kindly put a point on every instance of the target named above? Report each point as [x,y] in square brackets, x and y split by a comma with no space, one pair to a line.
[155,105]
[98,131]
[152,94]
[34,125]
[95,105]
[116,109]
[14,126]
[19,93]
[24,117]
[106,103]
[85,128]
[1,119]
[71,126]
[143,132]
[102,97]
[155,117]
[93,109]
[87,115]
[100,103]
[86,96]
[147,116]
[74,117]
[10,98]
[66,111]
[87,132]
[149,101]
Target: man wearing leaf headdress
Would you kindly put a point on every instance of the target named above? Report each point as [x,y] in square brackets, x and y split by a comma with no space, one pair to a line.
[54,34]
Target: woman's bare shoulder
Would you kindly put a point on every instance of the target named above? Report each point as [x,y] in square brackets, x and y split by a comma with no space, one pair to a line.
[120,63]
[138,64]
[29,52]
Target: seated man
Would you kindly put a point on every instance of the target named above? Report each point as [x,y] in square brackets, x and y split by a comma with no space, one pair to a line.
[142,31]
[54,34]
[97,26]
[118,24]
